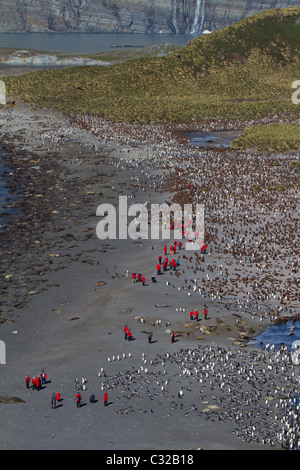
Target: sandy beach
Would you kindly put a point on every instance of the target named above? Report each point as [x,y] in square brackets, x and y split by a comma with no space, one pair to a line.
[66,295]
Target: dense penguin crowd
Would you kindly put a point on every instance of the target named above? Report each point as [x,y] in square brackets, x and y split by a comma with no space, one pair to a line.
[250,389]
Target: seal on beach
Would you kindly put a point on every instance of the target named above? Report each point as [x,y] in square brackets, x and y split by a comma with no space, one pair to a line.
[4,399]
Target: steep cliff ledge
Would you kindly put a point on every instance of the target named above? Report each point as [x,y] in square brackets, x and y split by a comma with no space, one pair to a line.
[134,16]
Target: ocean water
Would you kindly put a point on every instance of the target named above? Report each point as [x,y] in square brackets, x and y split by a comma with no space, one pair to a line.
[84,43]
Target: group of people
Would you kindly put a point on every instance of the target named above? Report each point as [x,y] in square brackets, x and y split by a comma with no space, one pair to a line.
[163,265]
[78,399]
[172,263]
[196,313]
[187,232]
[127,333]
[37,382]
[56,397]
[138,278]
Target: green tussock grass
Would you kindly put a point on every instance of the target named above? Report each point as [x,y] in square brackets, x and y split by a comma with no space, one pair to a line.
[279,137]
[243,71]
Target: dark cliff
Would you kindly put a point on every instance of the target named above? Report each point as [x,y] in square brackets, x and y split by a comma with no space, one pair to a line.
[135,16]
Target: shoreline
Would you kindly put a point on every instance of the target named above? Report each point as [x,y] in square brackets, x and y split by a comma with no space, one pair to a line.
[60,316]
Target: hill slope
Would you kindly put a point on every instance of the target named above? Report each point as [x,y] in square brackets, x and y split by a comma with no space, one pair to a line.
[245,70]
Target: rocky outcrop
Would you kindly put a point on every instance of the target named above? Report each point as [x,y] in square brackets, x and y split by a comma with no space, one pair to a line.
[134,16]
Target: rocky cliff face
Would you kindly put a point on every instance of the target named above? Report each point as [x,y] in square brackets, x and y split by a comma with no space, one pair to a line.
[135,16]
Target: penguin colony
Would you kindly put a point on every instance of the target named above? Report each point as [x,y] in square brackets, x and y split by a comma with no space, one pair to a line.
[251,224]
[251,229]
[256,391]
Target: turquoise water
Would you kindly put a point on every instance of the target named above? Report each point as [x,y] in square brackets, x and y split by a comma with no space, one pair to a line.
[279,334]
[217,139]
[84,43]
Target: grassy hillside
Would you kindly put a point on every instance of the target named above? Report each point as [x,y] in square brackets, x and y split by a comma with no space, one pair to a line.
[278,137]
[245,70]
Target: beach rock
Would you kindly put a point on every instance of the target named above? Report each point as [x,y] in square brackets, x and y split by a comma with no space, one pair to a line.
[21,59]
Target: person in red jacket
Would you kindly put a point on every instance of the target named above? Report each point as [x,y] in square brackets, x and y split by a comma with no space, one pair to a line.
[205,312]
[158,268]
[105,399]
[125,331]
[143,280]
[196,314]
[27,381]
[172,337]
[165,249]
[191,315]
[78,400]
[133,277]
[38,383]
[129,335]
